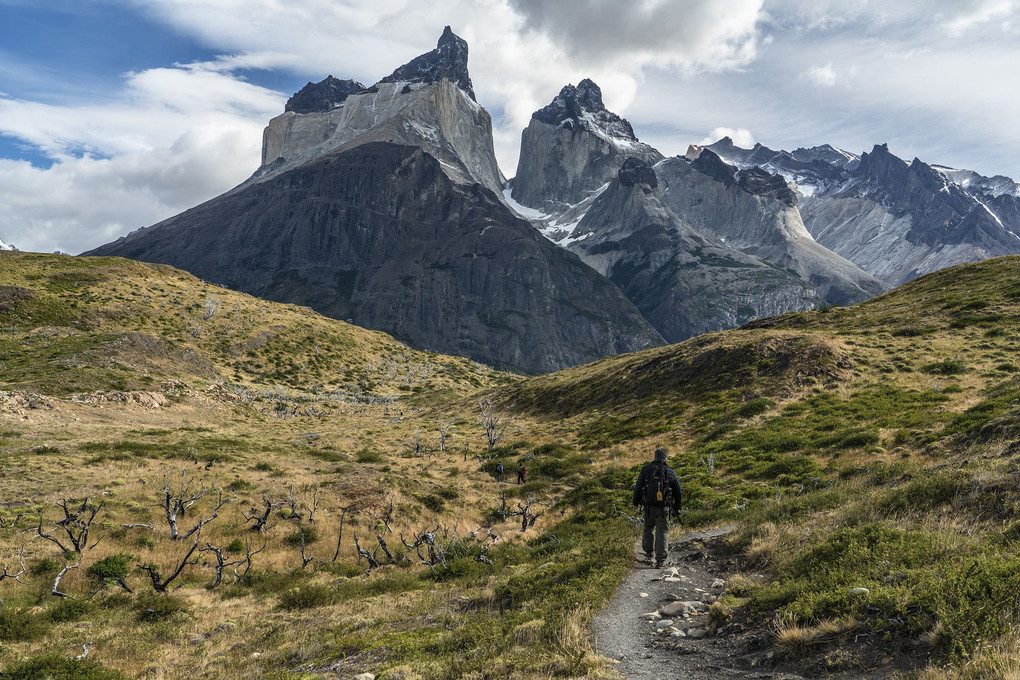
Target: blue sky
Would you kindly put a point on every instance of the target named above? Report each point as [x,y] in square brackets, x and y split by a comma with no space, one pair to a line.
[115,114]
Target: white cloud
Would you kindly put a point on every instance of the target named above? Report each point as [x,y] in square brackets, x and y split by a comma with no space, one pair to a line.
[928,78]
[741,137]
[172,138]
[823,76]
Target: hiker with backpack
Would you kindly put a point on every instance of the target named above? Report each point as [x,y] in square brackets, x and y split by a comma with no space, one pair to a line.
[658,491]
[499,471]
[521,471]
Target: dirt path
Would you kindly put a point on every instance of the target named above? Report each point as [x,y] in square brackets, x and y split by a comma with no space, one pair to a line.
[648,647]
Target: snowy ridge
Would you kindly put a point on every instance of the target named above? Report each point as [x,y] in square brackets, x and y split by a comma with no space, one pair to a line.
[6,246]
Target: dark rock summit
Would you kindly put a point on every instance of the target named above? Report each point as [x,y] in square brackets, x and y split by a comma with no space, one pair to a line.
[712,165]
[762,183]
[582,108]
[322,96]
[636,171]
[571,148]
[448,61]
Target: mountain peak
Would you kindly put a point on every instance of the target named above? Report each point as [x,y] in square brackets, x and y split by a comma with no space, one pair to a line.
[448,60]
[581,108]
[635,171]
[322,96]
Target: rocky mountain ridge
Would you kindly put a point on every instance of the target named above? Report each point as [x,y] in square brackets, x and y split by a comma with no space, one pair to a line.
[384,210]
[896,220]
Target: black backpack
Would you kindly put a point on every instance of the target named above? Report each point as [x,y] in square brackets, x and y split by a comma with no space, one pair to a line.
[658,492]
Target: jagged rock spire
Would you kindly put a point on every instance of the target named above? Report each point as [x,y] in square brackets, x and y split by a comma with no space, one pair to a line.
[448,60]
[582,108]
[322,96]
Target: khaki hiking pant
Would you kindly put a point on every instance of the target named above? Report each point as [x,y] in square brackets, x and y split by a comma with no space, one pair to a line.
[656,535]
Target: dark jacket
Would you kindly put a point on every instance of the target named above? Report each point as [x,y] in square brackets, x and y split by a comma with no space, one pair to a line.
[642,482]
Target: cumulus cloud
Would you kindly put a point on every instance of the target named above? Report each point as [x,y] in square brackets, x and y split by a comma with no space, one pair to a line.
[741,137]
[170,139]
[824,76]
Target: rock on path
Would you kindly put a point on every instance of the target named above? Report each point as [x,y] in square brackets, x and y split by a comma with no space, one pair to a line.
[632,629]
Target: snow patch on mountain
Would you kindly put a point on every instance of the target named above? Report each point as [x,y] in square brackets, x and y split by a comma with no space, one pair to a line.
[6,246]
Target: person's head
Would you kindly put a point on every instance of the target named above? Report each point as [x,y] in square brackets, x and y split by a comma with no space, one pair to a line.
[660,455]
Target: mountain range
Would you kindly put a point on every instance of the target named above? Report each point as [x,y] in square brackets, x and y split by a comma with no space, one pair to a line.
[384,206]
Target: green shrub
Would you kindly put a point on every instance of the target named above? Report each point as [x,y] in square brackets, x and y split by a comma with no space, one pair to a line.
[310,533]
[754,407]
[44,566]
[68,609]
[947,367]
[236,546]
[307,597]
[109,570]
[19,625]
[924,493]
[431,502]
[367,455]
[57,667]
[159,606]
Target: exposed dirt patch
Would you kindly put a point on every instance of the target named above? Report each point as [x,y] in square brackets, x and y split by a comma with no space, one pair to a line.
[632,632]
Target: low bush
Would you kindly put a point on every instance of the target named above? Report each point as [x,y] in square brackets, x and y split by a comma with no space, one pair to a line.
[307,597]
[57,667]
[68,609]
[20,625]
[157,607]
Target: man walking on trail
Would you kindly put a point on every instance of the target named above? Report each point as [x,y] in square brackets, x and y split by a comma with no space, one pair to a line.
[658,491]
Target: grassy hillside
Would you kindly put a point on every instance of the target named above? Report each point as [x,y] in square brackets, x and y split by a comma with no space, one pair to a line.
[869,447]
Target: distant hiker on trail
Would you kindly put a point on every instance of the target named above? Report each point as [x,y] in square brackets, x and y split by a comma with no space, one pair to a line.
[521,471]
[499,471]
[658,491]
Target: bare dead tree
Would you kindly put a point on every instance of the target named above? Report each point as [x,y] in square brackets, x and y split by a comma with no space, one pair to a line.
[292,504]
[523,511]
[159,584]
[5,572]
[4,524]
[445,426]
[369,556]
[305,558]
[494,421]
[221,563]
[248,554]
[385,549]
[483,556]
[176,498]
[388,517]
[150,527]
[340,534]
[260,520]
[76,525]
[435,551]
[315,505]
[55,591]
[220,502]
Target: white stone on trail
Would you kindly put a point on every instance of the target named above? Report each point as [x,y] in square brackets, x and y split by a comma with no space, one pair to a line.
[643,594]
[718,583]
[673,571]
[673,579]
[651,616]
[679,608]
[364,676]
[678,633]
[665,623]
[697,633]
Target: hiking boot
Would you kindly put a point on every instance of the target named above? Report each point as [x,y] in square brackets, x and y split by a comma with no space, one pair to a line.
[659,564]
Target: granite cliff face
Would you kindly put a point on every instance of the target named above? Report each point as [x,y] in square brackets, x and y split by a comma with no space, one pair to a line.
[751,214]
[684,282]
[571,148]
[381,236]
[426,103]
[756,213]
[379,206]
[896,220]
